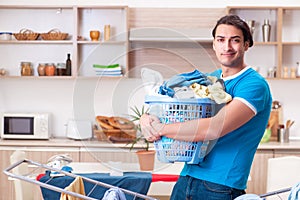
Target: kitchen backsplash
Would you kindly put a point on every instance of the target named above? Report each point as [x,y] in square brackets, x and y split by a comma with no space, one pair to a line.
[82,99]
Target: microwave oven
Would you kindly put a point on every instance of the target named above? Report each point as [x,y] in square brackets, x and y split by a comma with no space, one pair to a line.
[25,126]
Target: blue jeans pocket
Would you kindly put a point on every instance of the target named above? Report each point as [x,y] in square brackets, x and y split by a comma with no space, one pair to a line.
[217,191]
[214,187]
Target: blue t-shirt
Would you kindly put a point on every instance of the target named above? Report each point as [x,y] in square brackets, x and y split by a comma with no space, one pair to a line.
[230,158]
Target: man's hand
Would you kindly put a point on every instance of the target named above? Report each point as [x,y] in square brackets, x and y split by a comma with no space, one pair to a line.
[151,127]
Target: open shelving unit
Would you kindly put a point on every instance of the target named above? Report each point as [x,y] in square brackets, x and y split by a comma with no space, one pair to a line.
[77,21]
[284,47]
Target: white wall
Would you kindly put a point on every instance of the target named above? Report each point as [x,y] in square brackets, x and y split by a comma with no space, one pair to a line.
[83,99]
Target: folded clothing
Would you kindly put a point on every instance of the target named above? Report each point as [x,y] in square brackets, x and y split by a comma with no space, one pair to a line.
[106,67]
[108,70]
[109,73]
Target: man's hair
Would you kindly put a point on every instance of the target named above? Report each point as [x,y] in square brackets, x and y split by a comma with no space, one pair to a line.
[237,22]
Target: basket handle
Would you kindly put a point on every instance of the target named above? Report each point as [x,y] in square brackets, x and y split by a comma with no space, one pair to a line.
[55,30]
[25,30]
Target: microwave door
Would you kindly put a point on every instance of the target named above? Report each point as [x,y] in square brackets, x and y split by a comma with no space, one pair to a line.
[18,126]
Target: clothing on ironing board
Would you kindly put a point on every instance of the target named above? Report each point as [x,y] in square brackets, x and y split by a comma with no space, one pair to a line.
[248,197]
[114,194]
[76,186]
[295,192]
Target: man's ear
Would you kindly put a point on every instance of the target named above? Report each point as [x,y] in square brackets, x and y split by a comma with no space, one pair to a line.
[213,44]
[247,43]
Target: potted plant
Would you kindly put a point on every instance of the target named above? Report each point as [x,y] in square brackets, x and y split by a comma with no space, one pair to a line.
[145,155]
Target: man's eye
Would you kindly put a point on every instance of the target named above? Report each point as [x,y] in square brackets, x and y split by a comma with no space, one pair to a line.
[236,40]
[220,40]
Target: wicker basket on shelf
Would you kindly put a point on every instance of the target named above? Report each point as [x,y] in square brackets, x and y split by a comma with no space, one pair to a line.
[26,34]
[54,34]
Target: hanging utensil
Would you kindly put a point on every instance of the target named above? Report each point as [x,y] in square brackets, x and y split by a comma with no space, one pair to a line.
[289,123]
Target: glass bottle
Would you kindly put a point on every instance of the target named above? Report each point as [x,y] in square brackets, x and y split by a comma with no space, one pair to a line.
[298,70]
[106,32]
[68,65]
[266,29]
[285,72]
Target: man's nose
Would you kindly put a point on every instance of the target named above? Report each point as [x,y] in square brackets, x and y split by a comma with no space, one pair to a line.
[227,45]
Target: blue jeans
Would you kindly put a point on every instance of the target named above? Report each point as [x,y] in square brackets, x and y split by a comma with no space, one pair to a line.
[189,188]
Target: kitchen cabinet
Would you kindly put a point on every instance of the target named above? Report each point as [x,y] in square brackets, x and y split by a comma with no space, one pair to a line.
[283,49]
[77,21]
[287,152]
[257,183]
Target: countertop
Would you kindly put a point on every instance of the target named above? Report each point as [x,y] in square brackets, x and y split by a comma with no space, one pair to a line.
[64,142]
[292,145]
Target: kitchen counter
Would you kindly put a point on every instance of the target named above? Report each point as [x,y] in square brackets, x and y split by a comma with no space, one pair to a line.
[64,142]
[292,145]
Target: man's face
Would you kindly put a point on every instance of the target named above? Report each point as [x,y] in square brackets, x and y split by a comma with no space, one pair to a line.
[229,46]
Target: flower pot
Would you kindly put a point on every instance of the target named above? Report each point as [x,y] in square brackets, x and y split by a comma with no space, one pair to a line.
[146,159]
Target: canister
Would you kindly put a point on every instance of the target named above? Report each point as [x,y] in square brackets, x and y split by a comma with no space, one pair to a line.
[283,134]
[61,69]
[26,69]
[5,35]
[41,69]
[50,69]
[106,32]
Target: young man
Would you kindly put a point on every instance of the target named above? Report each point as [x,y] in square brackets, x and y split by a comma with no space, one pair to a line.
[236,129]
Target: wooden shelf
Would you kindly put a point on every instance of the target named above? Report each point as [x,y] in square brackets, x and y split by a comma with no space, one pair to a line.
[279,52]
[266,43]
[36,42]
[102,42]
[290,43]
[74,20]
[37,77]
